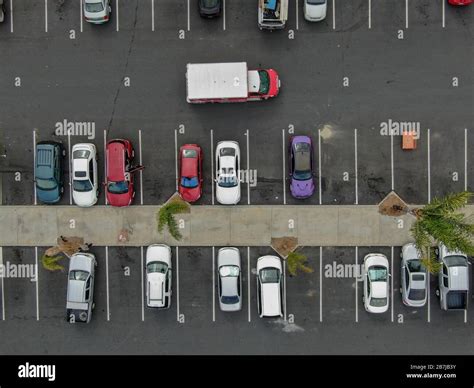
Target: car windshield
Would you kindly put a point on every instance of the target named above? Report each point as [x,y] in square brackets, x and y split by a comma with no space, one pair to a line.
[302,155]
[416,266]
[416,295]
[118,187]
[229,271]
[456,261]
[264,82]
[46,184]
[82,185]
[189,183]
[378,302]
[78,275]
[156,267]
[227,178]
[377,274]
[210,3]
[316,2]
[81,154]
[94,7]
[270,275]
[230,299]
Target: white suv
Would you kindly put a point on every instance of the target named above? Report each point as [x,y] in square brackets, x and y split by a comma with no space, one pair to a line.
[85,187]
[269,287]
[158,276]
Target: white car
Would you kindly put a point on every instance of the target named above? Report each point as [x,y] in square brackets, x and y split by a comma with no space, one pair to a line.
[227,172]
[85,187]
[315,10]
[229,279]
[269,287]
[97,11]
[376,283]
[158,276]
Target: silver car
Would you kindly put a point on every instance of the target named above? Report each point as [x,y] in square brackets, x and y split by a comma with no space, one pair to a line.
[413,277]
[80,287]
[229,272]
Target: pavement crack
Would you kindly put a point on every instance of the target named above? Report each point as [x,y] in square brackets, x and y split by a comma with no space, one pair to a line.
[124,73]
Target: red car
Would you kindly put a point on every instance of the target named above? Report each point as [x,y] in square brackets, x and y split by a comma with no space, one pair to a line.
[459,2]
[120,188]
[190,172]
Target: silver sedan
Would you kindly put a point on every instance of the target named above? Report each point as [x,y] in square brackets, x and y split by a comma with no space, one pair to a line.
[413,277]
[229,272]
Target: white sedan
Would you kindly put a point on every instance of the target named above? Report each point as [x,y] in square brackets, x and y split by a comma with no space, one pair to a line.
[97,11]
[85,187]
[376,283]
[315,10]
[227,172]
[158,276]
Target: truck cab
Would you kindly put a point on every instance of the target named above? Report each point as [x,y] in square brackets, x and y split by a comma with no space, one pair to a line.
[272,14]
[453,280]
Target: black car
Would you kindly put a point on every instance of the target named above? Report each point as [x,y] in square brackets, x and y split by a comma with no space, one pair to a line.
[210,8]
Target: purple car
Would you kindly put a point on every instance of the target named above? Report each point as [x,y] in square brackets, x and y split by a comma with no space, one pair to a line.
[301,167]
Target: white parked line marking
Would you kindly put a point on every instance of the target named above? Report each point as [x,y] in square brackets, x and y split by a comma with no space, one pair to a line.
[284,289]
[177,284]
[333,14]
[248,167]
[142,270]
[213,284]
[443,7]
[284,166]
[45,15]
[429,165]
[319,168]
[37,284]
[428,286]
[117,26]
[248,283]
[11,16]
[141,164]
[370,14]
[212,165]
[107,280]
[465,159]
[320,284]
[223,16]
[357,285]
[391,280]
[81,21]
[297,18]
[34,166]
[105,162]
[70,166]
[189,17]
[356,169]
[406,13]
[176,158]
[3,286]
[153,15]
[391,161]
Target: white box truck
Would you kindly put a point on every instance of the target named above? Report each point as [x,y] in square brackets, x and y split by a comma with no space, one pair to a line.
[229,82]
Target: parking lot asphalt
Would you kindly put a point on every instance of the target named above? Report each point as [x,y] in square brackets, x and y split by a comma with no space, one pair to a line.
[341,80]
[323,310]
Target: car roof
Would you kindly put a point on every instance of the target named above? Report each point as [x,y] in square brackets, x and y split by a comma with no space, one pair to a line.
[458,278]
[116,161]
[76,291]
[379,289]
[189,166]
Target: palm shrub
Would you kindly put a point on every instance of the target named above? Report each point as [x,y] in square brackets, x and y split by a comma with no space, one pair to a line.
[165,217]
[440,222]
[297,262]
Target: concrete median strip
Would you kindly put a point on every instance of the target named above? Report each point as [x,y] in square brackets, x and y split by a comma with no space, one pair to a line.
[351,225]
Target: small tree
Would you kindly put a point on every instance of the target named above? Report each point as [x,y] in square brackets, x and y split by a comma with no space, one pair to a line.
[438,222]
[165,217]
[297,261]
[50,263]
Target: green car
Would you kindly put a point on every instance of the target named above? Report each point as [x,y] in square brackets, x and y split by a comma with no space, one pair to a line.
[49,171]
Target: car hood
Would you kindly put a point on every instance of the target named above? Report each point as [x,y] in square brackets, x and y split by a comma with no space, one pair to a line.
[48,196]
[316,11]
[228,195]
[119,199]
[190,195]
[85,199]
[302,188]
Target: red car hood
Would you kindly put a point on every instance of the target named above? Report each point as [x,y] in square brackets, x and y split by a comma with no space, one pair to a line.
[190,195]
[119,199]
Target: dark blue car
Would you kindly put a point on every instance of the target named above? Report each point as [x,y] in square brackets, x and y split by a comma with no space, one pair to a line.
[49,172]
